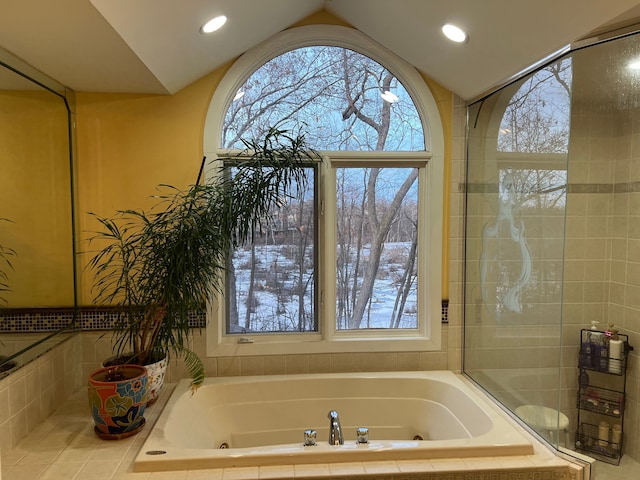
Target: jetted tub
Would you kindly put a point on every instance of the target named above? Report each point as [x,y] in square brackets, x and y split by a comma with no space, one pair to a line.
[246,421]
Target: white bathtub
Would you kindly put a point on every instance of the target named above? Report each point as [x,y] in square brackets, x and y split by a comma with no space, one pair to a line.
[263,419]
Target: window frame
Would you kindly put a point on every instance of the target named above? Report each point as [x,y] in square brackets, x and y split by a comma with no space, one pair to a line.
[431,177]
[337,160]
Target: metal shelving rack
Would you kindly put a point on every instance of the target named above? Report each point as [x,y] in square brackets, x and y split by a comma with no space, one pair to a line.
[601,395]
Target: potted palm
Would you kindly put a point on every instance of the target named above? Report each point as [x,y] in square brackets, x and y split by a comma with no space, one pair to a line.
[157,268]
[6,254]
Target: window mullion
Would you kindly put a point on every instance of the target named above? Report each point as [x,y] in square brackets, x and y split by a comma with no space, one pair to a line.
[327,263]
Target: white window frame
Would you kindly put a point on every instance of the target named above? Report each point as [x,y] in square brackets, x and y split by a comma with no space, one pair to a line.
[431,177]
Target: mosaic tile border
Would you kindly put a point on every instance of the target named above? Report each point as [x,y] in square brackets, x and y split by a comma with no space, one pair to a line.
[90,318]
[93,318]
[53,319]
[30,320]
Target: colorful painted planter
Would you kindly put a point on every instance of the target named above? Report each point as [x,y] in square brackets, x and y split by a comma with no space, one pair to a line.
[118,403]
[156,372]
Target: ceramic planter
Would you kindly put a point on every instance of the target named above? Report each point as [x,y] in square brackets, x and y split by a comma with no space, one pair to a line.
[156,372]
[117,398]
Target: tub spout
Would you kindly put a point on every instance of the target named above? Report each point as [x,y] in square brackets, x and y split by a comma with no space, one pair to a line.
[335,430]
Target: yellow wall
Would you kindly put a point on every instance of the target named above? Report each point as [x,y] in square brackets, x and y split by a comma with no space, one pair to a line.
[35,196]
[128,144]
[444,101]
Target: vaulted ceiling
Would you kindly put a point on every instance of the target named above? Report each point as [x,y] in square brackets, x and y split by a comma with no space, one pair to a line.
[154,46]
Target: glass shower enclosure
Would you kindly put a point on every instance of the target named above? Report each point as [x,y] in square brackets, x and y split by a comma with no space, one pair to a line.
[552,231]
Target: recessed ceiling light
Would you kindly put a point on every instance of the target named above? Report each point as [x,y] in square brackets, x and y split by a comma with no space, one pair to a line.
[455,34]
[213,24]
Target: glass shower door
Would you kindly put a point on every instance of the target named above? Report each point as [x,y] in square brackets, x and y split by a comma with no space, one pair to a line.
[518,144]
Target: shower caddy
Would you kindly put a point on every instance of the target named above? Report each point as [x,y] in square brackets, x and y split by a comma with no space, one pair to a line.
[601,393]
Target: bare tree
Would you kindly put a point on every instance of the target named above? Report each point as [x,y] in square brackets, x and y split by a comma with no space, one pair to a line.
[405,284]
[379,228]
[351,239]
[334,95]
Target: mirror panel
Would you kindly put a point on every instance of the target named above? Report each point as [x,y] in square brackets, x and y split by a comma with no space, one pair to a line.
[36,208]
[34,197]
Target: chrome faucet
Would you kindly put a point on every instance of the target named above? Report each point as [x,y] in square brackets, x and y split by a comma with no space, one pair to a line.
[335,430]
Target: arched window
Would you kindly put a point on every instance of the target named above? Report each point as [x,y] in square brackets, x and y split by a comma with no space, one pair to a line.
[357,258]
[341,99]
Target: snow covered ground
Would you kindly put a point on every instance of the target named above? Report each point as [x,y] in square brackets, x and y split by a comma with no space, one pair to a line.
[275,304]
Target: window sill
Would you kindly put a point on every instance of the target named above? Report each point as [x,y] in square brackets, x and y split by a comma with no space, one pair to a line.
[230,347]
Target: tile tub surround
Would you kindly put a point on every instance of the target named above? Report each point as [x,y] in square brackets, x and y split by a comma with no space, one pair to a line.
[96,346]
[64,447]
[34,391]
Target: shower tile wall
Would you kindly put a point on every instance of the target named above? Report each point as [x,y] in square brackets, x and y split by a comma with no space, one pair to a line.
[602,266]
[624,296]
[588,223]
[456,235]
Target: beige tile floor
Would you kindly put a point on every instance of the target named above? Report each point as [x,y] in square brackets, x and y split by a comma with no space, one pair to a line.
[628,469]
[65,447]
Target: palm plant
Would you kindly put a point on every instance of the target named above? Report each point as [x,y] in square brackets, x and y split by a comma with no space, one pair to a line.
[159,267]
[6,254]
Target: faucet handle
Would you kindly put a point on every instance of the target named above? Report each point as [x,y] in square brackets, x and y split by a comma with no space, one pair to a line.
[362,435]
[310,438]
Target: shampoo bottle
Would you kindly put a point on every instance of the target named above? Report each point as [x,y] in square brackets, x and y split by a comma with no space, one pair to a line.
[616,352]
